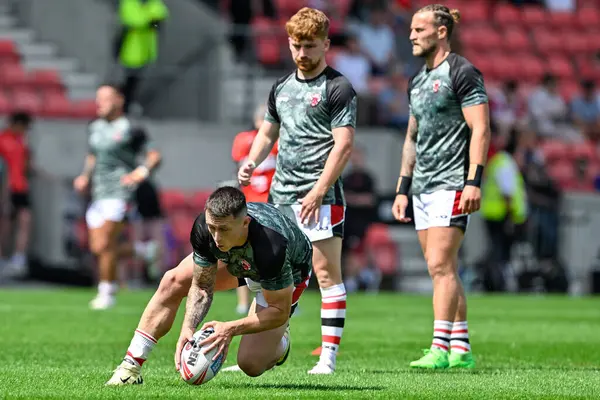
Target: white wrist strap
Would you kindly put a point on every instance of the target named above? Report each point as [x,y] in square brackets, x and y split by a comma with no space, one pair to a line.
[144,170]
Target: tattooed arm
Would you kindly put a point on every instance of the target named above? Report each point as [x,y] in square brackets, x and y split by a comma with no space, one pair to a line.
[409,151]
[200,296]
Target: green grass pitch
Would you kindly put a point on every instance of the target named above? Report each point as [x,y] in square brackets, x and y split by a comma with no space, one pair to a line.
[52,346]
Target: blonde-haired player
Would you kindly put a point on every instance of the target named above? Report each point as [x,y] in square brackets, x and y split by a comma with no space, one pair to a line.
[444,154]
[312,111]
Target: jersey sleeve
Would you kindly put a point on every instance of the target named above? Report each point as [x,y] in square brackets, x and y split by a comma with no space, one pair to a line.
[469,87]
[140,141]
[272,262]
[200,240]
[342,103]
[271,115]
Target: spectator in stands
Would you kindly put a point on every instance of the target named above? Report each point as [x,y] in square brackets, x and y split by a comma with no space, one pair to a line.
[137,42]
[585,111]
[360,10]
[242,12]
[504,205]
[361,199]
[561,5]
[549,112]
[507,108]
[393,101]
[378,42]
[15,150]
[354,65]
[543,195]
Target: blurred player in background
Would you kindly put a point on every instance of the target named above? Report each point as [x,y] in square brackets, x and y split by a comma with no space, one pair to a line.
[235,243]
[15,151]
[313,113]
[443,158]
[260,182]
[110,165]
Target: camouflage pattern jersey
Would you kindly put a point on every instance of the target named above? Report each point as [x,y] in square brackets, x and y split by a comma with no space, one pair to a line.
[436,99]
[116,146]
[277,254]
[307,111]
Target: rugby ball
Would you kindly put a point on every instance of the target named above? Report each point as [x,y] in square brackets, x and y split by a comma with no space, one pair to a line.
[198,368]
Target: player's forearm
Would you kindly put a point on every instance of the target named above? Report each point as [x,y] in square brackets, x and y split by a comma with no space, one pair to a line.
[197,306]
[153,158]
[264,320]
[409,150]
[334,166]
[88,166]
[261,147]
[480,143]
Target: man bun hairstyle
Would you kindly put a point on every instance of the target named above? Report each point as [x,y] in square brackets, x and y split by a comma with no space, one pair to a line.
[443,16]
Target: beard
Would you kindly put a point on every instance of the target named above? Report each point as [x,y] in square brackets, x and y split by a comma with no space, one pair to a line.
[425,51]
[307,65]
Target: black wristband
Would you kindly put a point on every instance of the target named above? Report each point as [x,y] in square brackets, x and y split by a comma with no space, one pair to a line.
[476,181]
[405,182]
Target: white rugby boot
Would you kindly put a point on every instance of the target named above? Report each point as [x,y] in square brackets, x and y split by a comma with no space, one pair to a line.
[103,302]
[126,374]
[323,367]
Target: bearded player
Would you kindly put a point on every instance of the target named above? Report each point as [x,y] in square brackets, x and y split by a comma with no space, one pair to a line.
[442,161]
[312,111]
[260,183]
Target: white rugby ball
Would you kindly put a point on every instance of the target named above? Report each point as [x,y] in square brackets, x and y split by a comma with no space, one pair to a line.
[198,368]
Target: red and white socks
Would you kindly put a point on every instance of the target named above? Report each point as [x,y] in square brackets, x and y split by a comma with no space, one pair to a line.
[333,318]
[441,335]
[459,338]
[140,347]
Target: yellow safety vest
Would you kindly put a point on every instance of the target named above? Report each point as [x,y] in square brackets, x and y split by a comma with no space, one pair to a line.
[493,202]
[140,42]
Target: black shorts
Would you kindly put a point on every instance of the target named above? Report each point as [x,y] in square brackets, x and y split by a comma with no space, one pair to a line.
[148,202]
[20,201]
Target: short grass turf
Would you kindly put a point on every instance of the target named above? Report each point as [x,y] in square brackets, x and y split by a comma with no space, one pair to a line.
[52,346]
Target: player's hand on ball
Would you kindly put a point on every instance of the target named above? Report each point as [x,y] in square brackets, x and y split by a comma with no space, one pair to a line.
[245,173]
[399,208]
[185,336]
[221,338]
[311,206]
[81,183]
[470,200]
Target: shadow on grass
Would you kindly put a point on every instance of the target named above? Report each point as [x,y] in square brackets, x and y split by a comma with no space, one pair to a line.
[482,370]
[301,386]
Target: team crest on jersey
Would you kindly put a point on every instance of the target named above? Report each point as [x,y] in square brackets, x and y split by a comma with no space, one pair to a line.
[316,99]
[245,265]
[436,85]
[118,136]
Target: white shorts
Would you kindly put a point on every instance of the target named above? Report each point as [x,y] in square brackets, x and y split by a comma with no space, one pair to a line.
[256,288]
[331,221]
[439,209]
[104,210]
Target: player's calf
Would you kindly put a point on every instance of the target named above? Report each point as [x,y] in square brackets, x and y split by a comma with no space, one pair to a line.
[260,352]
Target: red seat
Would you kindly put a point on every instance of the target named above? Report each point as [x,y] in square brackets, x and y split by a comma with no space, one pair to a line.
[268,51]
[8,51]
[6,106]
[481,38]
[26,100]
[562,171]
[554,150]
[173,199]
[532,68]
[46,78]
[198,200]
[506,67]
[13,75]
[560,66]
[84,109]
[548,42]
[181,224]
[576,43]
[534,16]
[475,12]
[331,55]
[586,151]
[562,20]
[586,68]
[55,105]
[507,15]
[516,39]
[588,17]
